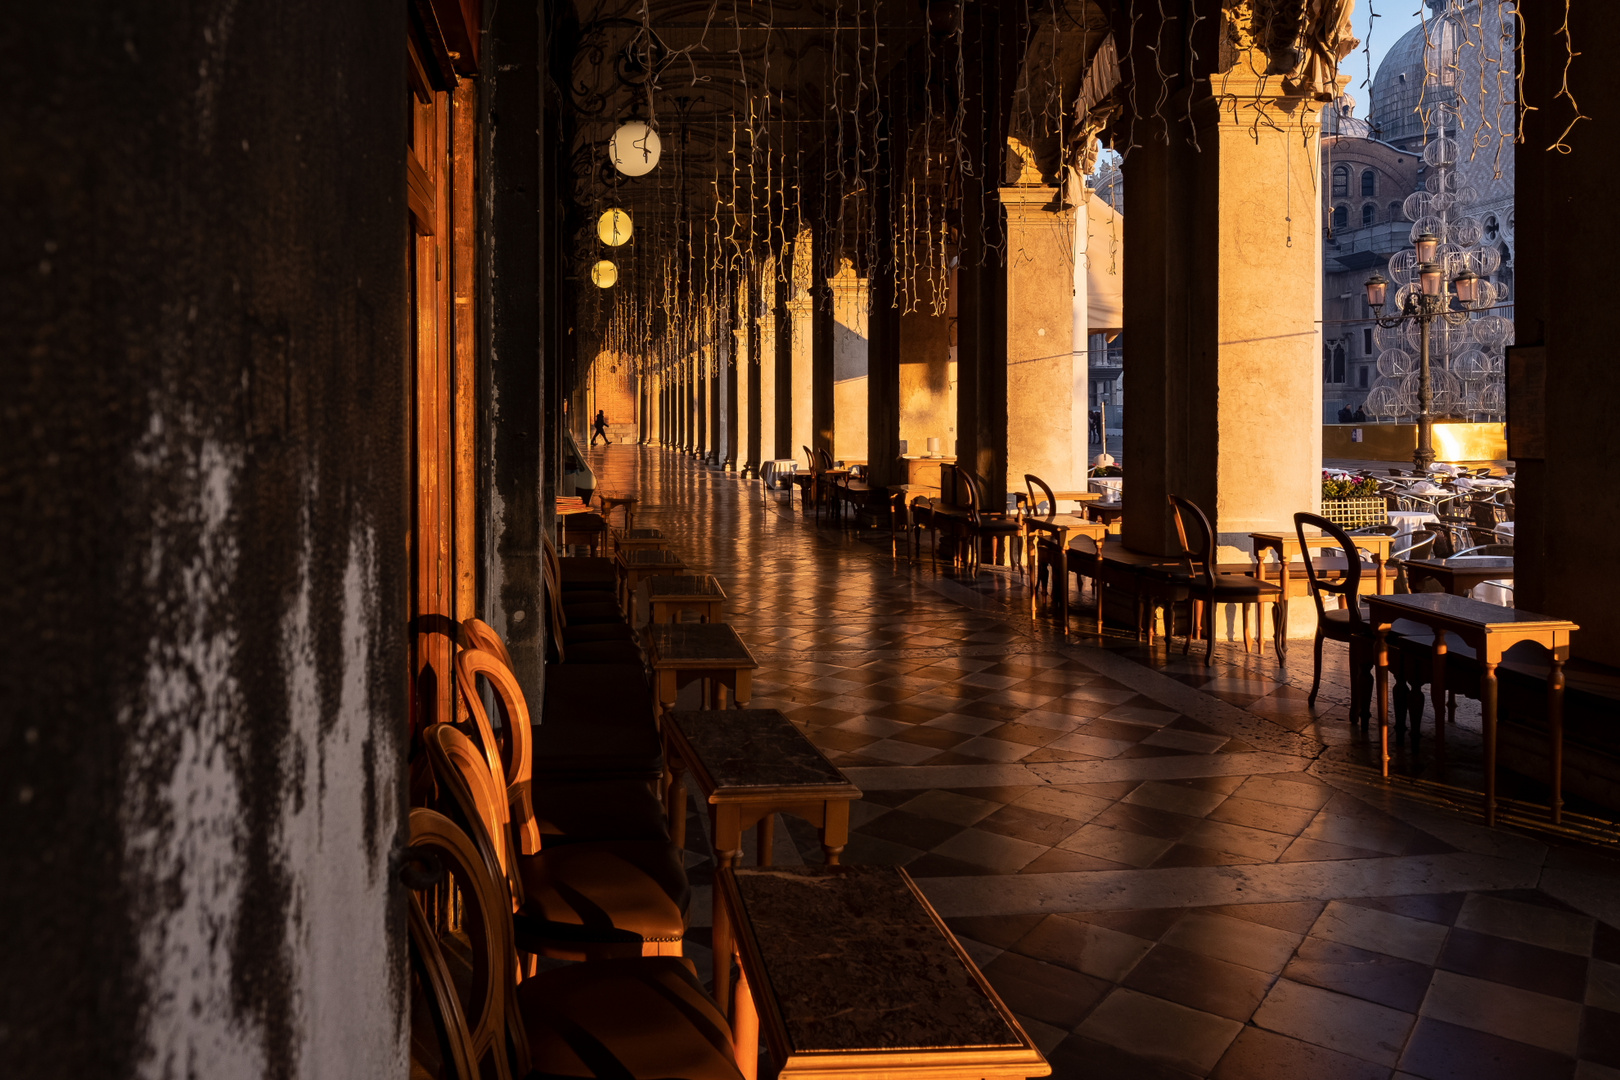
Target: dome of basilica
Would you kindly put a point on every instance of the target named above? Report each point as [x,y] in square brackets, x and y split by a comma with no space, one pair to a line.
[1426,53]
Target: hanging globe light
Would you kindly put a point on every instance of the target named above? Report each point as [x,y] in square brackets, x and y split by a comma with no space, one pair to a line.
[604,275]
[634,149]
[614,227]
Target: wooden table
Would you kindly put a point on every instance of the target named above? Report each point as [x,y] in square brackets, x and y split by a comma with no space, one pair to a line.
[667,597]
[636,566]
[851,973]
[1459,576]
[1063,527]
[609,502]
[1285,545]
[683,653]
[569,508]
[1106,512]
[752,764]
[636,539]
[1490,631]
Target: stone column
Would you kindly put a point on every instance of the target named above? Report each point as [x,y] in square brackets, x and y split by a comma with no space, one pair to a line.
[1040,325]
[719,376]
[764,352]
[739,382]
[981,398]
[748,443]
[1224,340]
[927,376]
[801,397]
[850,349]
[821,358]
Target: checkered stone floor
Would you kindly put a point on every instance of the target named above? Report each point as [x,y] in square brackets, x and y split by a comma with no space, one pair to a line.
[1167,869]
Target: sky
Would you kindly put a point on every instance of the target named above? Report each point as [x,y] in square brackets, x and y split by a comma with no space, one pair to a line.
[1394,18]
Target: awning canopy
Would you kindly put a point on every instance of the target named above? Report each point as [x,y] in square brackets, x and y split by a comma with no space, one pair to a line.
[1105,266]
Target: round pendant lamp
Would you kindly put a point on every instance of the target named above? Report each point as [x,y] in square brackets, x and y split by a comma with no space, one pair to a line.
[604,275]
[634,149]
[614,227]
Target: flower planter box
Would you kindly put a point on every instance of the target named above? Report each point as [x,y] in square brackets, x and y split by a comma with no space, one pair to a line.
[1356,513]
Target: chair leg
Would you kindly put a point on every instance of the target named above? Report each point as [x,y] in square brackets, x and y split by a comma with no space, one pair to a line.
[1246,630]
[1192,626]
[1210,610]
[1279,625]
[1316,672]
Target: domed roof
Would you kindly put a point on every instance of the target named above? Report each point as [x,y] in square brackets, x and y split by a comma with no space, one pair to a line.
[1427,51]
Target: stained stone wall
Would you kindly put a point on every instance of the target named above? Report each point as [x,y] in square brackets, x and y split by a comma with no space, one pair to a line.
[203,475]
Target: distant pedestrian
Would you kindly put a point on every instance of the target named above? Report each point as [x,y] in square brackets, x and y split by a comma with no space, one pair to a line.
[599,429]
[1360,417]
[1345,415]
[1096,425]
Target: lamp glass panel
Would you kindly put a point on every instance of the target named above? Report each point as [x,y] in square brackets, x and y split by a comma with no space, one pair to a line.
[614,227]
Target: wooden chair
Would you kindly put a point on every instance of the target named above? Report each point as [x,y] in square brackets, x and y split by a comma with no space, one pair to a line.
[1045,554]
[576,901]
[807,482]
[996,527]
[640,1018]
[1208,589]
[1346,623]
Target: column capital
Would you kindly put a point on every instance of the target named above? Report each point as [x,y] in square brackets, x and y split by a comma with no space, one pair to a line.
[1027,204]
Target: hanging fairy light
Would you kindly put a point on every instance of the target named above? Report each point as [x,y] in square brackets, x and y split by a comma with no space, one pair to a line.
[635,148]
[614,227]
[604,275]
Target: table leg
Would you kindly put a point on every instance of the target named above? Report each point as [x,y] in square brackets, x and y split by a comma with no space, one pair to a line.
[1437,680]
[667,689]
[727,847]
[1487,712]
[744,688]
[745,1027]
[1378,562]
[835,830]
[676,802]
[1382,691]
[1555,727]
[765,834]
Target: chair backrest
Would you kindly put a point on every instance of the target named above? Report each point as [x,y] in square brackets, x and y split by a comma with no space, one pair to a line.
[1032,482]
[1199,558]
[512,758]
[810,456]
[471,1011]
[481,635]
[1348,587]
[824,459]
[970,491]
[480,800]
[1422,545]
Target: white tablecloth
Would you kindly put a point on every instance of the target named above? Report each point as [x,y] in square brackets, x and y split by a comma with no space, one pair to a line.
[1499,592]
[1504,529]
[775,472]
[1111,488]
[1407,522]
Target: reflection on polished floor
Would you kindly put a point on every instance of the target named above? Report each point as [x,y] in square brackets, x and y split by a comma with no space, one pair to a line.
[1166,869]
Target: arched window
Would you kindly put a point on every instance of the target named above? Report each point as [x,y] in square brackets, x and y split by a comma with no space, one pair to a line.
[1493,228]
[1368,213]
[1341,216]
[1394,211]
[1341,180]
[1369,182]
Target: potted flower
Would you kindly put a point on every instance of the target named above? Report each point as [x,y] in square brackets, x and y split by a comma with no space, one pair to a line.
[1352,501]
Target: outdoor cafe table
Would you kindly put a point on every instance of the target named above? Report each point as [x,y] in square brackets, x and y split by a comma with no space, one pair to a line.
[850,972]
[668,597]
[682,653]
[634,539]
[1459,576]
[1285,545]
[1490,631]
[637,565]
[1061,526]
[750,764]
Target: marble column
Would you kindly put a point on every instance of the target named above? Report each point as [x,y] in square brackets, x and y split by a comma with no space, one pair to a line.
[927,375]
[719,377]
[782,377]
[850,358]
[1224,341]
[1040,327]
[752,406]
[802,395]
[882,404]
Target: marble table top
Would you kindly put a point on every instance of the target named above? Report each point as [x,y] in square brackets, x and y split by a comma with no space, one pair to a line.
[856,961]
[651,557]
[690,585]
[757,748]
[697,645]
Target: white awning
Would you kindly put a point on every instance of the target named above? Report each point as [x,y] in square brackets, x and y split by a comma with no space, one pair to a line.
[1105,266]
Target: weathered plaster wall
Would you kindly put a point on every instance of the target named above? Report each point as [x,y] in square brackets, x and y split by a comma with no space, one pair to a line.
[203,514]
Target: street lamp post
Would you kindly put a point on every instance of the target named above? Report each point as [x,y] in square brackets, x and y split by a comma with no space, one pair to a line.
[1431,300]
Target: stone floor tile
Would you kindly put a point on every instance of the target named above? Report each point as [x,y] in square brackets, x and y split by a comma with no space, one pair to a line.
[1441,1051]
[1034,826]
[1380,931]
[1521,1015]
[1294,917]
[1000,931]
[1431,907]
[1221,836]
[1527,967]
[1237,941]
[1082,1058]
[913,830]
[1058,861]
[1045,1036]
[1004,854]
[1115,845]
[1532,924]
[938,738]
[1181,854]
[1600,1037]
[1289,791]
[898,753]
[1192,741]
[1051,994]
[876,726]
[1603,985]
[967,725]
[950,806]
[1591,1070]
[1307,850]
[1180,800]
[1272,817]
[1085,947]
[1161,1031]
[1084,742]
[1146,821]
[1258,1054]
[992,749]
[1371,976]
[1349,1025]
[1199,982]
